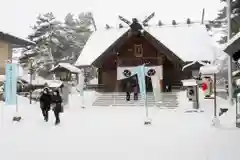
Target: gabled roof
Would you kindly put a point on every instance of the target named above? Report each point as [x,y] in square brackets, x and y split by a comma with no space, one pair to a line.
[188,42]
[232,46]
[14,40]
[98,43]
[67,66]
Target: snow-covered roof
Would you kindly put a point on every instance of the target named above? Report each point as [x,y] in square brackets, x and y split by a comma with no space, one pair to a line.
[67,66]
[188,42]
[209,69]
[235,73]
[17,40]
[54,83]
[232,45]
[98,42]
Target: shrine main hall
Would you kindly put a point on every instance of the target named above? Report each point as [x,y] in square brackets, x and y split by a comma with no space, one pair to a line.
[164,49]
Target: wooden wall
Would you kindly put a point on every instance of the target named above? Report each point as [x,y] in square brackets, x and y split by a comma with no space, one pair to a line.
[126,57]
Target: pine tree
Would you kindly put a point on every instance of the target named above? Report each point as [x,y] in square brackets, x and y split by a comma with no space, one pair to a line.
[57,41]
[46,35]
[80,29]
[221,20]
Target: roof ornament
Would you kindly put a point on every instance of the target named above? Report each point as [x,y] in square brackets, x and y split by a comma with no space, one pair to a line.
[120,25]
[136,27]
[189,21]
[174,22]
[107,26]
[160,23]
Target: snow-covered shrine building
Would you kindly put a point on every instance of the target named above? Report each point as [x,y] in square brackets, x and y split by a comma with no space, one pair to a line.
[165,49]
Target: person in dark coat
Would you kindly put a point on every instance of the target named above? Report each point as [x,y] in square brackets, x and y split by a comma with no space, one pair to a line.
[45,102]
[135,90]
[57,106]
[128,91]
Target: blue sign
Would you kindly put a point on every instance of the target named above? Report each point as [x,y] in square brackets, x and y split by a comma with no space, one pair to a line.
[10,88]
[140,70]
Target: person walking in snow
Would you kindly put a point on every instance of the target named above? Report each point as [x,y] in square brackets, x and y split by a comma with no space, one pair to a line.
[57,106]
[128,91]
[135,90]
[45,102]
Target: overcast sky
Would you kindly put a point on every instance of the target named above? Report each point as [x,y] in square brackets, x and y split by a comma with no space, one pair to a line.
[18,15]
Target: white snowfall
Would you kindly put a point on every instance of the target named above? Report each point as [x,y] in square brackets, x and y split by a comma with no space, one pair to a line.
[118,133]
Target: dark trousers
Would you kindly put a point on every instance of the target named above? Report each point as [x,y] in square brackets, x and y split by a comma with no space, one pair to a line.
[57,116]
[45,113]
[135,96]
[128,96]
[222,111]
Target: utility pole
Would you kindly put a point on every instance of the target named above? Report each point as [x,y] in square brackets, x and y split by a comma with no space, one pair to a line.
[203,16]
[230,57]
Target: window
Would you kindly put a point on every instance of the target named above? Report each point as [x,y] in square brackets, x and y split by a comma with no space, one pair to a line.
[138,50]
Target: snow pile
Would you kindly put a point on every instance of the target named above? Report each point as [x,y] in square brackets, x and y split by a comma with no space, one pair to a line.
[117,133]
[94,81]
[88,96]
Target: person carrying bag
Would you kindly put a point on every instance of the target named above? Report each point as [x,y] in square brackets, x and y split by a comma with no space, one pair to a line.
[57,106]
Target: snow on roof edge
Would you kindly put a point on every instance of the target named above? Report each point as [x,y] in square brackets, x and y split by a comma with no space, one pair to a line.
[209,69]
[96,45]
[67,66]
[18,37]
[231,41]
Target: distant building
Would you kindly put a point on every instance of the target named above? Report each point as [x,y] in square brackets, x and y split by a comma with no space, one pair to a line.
[7,43]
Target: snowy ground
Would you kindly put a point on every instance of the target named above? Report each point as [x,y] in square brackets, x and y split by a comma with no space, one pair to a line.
[118,133]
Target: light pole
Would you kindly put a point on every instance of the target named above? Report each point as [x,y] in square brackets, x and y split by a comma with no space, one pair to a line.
[230,57]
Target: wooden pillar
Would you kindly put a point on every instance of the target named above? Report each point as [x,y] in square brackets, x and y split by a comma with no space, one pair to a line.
[117,82]
[99,75]
[160,63]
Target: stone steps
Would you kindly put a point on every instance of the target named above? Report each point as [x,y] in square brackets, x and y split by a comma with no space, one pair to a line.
[169,100]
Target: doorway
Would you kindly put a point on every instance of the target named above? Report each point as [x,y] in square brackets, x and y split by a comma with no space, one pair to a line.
[133,80]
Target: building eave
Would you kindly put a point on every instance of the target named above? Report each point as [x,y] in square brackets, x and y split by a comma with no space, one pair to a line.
[14,40]
[233,46]
[161,47]
[111,49]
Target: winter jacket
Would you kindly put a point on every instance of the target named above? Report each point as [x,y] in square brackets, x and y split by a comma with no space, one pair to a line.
[57,103]
[45,101]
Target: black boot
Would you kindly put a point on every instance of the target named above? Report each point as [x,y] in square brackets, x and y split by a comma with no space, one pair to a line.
[128,96]
[222,111]
[57,122]
[57,118]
